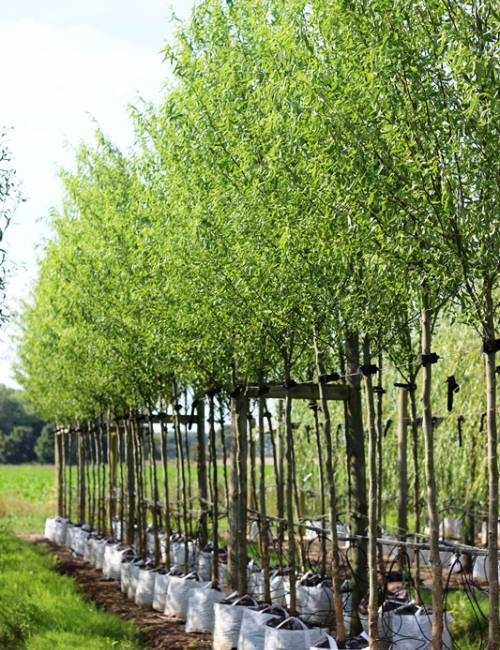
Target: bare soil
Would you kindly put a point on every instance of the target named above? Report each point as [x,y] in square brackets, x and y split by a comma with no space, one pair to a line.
[156,631]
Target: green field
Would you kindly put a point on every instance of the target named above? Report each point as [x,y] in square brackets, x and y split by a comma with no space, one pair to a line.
[27,496]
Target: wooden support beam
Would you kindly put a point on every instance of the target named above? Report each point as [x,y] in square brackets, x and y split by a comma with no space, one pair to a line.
[310,391]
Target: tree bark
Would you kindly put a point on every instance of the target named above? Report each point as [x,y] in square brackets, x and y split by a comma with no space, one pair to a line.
[357,473]
[372,506]
[437,581]
[237,552]
[201,460]
[490,370]
[403,463]
[332,500]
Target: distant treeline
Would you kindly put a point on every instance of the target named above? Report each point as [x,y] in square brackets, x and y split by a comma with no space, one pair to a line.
[24,438]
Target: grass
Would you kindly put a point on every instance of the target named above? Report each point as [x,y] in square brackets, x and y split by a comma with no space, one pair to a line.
[27,496]
[42,610]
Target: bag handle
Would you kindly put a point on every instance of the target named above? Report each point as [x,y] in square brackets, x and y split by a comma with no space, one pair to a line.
[238,600]
[293,618]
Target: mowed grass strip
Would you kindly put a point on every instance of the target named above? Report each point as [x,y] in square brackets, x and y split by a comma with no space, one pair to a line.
[42,610]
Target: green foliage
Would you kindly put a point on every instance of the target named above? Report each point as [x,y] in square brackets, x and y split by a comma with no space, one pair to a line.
[44,446]
[18,446]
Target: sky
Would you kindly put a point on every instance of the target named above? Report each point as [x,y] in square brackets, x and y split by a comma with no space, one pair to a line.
[67,66]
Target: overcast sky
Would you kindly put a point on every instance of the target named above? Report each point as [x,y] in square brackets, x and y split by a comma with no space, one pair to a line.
[65,65]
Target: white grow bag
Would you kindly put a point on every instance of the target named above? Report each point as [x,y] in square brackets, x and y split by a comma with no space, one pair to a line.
[200,616]
[160,591]
[315,603]
[133,578]
[279,586]
[50,529]
[112,563]
[178,590]
[178,552]
[480,568]
[144,592]
[300,638]
[204,568]
[253,627]
[227,622]
[412,631]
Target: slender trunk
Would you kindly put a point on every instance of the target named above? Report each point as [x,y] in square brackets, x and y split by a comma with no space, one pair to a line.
[490,370]
[69,463]
[372,506]
[224,454]
[299,513]
[112,473]
[59,457]
[237,555]
[155,493]
[332,500]
[280,477]
[357,471]
[322,499]
[201,460]
[131,478]
[416,482]
[402,464]
[81,476]
[166,491]
[121,460]
[263,522]
[274,447]
[215,495]
[380,476]
[437,582]
[183,487]
[289,502]
[139,470]
[189,479]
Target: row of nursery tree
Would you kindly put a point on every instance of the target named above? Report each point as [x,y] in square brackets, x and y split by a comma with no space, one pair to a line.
[316,193]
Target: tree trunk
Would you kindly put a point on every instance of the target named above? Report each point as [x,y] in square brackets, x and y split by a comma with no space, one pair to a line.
[166,490]
[437,581]
[332,500]
[292,562]
[131,478]
[490,370]
[59,457]
[237,555]
[416,482]
[82,491]
[112,473]
[372,506]
[215,493]
[402,463]
[357,473]
[201,460]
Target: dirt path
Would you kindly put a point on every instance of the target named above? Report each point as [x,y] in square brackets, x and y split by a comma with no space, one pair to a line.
[157,631]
